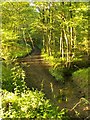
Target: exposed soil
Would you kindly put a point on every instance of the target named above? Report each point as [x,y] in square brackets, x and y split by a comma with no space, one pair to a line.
[37,76]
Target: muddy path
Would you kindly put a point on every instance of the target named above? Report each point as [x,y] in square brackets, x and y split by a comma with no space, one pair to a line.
[38,77]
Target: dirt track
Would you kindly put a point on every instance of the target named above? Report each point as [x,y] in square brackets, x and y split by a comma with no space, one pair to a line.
[38,77]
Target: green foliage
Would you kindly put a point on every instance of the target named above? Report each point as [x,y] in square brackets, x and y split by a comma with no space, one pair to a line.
[61,73]
[65,36]
[48,58]
[7,82]
[81,78]
[58,68]
[57,73]
[31,104]
[21,102]
[79,63]
[61,30]
[17,18]
[13,78]
[11,49]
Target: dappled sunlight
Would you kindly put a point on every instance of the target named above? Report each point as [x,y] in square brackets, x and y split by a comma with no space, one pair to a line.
[38,77]
[45,60]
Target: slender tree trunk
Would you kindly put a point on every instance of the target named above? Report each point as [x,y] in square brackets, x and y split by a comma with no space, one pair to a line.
[71,43]
[60,43]
[67,51]
[62,51]
[62,36]
[49,43]
[24,38]
[50,32]
[74,40]
[31,41]
[43,21]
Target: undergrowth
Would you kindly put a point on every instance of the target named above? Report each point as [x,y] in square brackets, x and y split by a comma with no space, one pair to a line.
[18,101]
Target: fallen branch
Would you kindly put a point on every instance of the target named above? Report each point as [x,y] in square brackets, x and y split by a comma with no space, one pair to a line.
[80,101]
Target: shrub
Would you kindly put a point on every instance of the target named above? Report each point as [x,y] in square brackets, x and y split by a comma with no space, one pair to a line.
[31,104]
[13,78]
[81,77]
[20,102]
[78,63]
[57,73]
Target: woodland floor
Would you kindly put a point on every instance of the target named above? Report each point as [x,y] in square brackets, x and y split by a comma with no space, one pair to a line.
[38,77]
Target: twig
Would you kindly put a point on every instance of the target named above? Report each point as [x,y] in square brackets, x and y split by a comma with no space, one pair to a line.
[80,101]
[75,105]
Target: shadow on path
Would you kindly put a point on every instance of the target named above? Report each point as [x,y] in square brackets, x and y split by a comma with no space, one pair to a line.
[38,77]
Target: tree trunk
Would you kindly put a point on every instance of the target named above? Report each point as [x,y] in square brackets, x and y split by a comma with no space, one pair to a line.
[60,43]
[67,51]
[31,41]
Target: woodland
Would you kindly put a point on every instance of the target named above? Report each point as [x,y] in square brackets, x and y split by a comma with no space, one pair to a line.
[44,60]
